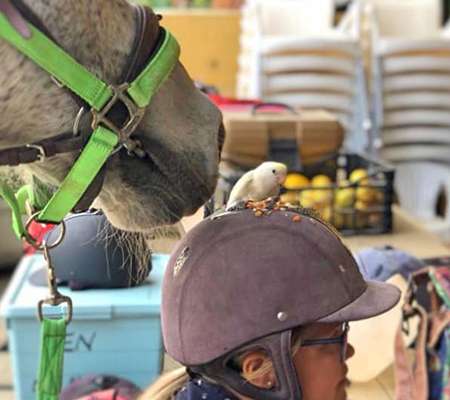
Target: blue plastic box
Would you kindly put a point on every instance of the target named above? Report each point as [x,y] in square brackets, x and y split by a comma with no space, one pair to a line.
[113,331]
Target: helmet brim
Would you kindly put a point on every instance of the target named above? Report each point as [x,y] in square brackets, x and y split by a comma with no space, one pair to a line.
[378,298]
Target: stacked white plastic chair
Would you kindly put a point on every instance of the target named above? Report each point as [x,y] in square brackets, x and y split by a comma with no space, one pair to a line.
[291,53]
[411,88]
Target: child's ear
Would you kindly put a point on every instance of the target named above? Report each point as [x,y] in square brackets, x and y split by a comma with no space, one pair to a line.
[254,369]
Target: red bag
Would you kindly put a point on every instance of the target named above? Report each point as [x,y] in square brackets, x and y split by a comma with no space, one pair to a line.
[37,231]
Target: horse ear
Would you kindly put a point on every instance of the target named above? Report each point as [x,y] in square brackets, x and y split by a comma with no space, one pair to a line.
[15,18]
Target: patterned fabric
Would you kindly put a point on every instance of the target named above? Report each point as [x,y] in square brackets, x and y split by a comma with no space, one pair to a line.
[100,387]
[439,357]
[198,389]
[422,372]
[436,369]
[446,372]
[441,281]
[110,394]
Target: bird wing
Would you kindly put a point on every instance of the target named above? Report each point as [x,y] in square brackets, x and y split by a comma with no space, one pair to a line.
[275,191]
[242,189]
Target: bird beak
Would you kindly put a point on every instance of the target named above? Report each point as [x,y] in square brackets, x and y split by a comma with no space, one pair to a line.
[281,178]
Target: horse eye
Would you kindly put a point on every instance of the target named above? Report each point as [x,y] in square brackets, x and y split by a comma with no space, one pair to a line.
[274,171]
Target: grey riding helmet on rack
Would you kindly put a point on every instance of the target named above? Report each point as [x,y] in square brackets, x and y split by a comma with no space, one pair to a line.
[92,256]
[237,282]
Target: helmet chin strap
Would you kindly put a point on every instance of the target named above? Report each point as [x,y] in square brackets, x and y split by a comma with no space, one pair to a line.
[279,347]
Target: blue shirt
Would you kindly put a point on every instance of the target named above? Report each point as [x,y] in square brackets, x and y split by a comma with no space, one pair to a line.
[199,389]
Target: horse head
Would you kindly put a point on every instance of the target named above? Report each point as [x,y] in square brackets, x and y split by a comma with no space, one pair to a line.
[180,131]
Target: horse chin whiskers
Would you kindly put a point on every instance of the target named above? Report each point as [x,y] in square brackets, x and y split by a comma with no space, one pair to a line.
[165,232]
[133,247]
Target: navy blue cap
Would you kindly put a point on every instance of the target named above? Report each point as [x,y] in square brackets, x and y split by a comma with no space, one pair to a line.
[200,389]
[380,263]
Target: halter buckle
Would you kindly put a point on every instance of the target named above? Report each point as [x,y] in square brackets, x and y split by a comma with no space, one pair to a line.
[41,155]
[135,113]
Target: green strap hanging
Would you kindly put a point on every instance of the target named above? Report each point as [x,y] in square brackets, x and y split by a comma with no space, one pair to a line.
[23,195]
[50,372]
[16,208]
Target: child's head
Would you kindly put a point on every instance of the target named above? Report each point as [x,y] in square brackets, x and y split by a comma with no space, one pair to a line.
[259,304]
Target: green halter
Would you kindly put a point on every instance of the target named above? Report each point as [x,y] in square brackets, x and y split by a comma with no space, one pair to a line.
[106,137]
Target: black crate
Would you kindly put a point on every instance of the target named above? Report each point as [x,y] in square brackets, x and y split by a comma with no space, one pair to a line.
[351,220]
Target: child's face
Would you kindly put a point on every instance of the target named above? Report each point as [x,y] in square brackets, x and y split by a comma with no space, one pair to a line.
[321,370]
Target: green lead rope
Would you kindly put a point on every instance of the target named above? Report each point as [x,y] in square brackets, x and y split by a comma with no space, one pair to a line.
[53,334]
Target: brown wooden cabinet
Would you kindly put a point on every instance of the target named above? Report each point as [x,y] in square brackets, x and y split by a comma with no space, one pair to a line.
[209,42]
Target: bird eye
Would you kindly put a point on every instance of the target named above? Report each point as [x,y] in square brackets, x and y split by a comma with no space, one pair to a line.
[274,171]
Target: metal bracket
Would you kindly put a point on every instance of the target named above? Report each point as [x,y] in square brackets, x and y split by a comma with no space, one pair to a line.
[135,114]
[56,298]
[56,302]
[42,155]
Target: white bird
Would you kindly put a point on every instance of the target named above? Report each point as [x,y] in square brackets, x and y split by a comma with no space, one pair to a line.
[258,184]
